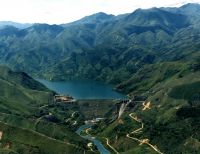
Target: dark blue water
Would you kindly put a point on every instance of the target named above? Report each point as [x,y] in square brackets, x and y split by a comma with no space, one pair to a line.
[96,142]
[83,89]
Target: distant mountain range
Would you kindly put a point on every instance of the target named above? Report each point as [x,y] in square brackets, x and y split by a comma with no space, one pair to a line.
[101,46]
[15,24]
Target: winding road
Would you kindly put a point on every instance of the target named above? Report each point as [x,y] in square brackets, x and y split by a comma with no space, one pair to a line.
[107,142]
[73,114]
[142,141]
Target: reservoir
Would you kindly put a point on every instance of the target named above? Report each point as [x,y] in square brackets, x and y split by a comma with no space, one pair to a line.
[83,89]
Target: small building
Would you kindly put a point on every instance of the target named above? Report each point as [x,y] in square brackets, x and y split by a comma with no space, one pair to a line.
[64,99]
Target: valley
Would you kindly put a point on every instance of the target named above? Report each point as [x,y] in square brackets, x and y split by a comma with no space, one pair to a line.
[104,84]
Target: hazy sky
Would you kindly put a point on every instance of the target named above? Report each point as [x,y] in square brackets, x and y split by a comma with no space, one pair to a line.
[63,11]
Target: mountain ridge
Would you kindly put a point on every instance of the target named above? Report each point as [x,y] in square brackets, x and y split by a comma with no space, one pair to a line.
[144,30]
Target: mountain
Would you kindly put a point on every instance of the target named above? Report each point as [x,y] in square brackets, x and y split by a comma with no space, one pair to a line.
[92,19]
[189,9]
[15,24]
[88,45]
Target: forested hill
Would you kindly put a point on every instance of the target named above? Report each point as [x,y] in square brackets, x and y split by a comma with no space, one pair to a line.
[102,46]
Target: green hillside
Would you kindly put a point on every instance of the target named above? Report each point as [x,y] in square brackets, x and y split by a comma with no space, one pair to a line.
[172,121]
[25,105]
[19,93]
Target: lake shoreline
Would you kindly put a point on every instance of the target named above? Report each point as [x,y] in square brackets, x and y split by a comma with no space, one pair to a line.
[84,90]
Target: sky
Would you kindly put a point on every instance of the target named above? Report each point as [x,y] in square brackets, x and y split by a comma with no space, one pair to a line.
[65,11]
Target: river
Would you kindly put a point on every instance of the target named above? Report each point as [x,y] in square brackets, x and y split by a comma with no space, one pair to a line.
[96,142]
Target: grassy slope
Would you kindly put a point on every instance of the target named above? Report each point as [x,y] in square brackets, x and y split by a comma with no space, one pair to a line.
[27,141]
[22,122]
[21,94]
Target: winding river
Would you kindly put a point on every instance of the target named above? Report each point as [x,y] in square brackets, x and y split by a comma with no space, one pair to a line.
[96,142]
